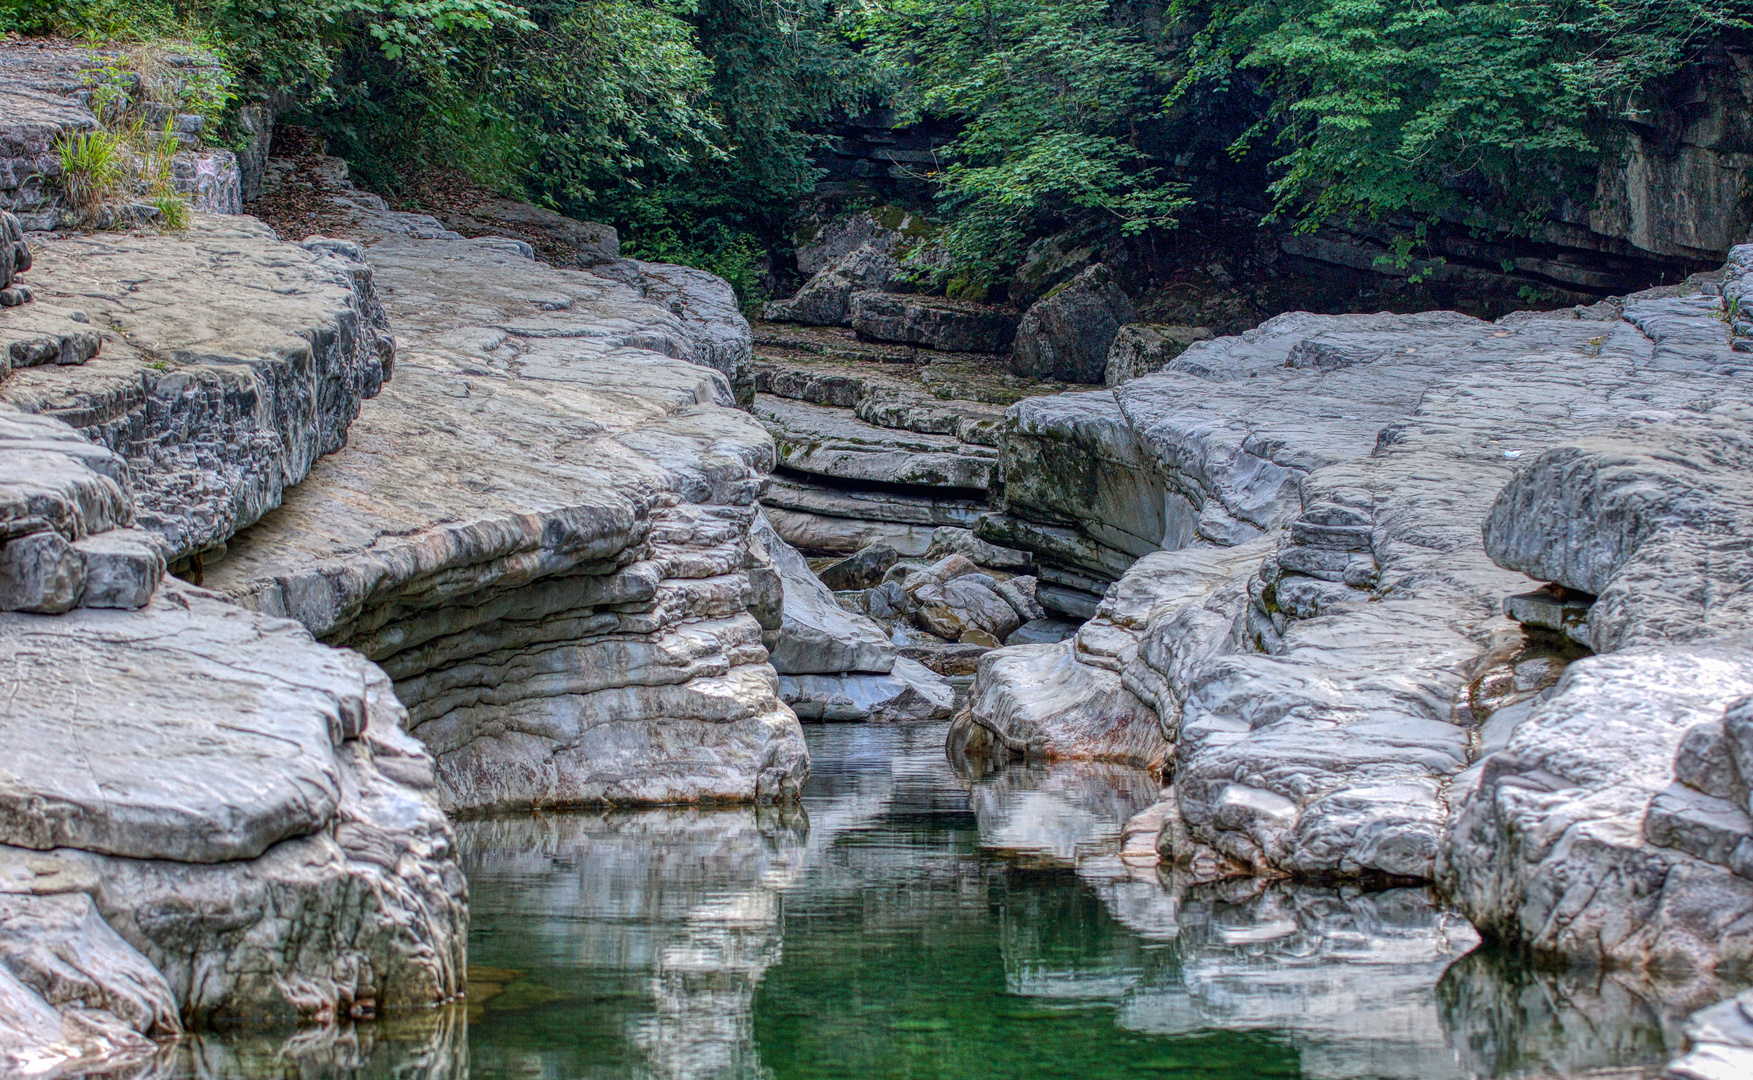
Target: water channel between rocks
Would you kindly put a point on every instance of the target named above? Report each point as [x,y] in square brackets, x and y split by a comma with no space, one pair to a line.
[913,922]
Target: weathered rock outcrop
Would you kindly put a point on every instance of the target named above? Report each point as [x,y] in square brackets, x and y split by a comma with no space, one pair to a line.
[208,816]
[1317,699]
[1612,824]
[542,536]
[218,401]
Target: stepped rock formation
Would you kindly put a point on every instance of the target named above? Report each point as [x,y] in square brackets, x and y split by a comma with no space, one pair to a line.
[541,528]
[207,815]
[542,535]
[1318,652]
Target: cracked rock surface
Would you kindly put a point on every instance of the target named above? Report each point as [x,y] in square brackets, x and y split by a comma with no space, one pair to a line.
[1319,688]
[541,532]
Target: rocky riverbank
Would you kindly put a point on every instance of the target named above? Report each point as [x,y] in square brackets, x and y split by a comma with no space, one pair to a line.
[1386,600]
[522,576]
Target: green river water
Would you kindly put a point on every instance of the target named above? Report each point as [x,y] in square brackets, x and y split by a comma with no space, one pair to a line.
[911,922]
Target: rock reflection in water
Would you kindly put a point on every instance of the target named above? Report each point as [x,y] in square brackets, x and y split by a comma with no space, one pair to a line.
[625,944]
[920,919]
[1346,977]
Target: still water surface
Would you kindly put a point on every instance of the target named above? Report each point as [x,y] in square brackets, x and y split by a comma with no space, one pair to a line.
[912,922]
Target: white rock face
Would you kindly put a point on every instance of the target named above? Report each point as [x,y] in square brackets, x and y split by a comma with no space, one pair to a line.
[1612,826]
[543,537]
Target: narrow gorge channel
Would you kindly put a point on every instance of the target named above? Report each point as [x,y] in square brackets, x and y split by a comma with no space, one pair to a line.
[438,646]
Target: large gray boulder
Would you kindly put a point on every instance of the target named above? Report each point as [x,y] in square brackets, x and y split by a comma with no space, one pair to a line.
[835,663]
[1066,334]
[241,829]
[826,298]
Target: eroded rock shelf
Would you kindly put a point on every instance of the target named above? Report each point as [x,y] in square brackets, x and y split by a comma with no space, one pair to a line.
[307,548]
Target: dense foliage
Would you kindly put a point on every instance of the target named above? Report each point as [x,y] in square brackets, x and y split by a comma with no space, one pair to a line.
[694,124]
[1051,96]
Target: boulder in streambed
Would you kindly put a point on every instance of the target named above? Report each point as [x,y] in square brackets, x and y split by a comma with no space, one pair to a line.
[1066,335]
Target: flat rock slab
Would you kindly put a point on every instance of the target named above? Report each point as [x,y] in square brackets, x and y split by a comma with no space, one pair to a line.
[834,443]
[230,362]
[241,717]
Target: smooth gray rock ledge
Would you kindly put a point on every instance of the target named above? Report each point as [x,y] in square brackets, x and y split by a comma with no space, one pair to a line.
[1316,701]
[282,856]
[541,532]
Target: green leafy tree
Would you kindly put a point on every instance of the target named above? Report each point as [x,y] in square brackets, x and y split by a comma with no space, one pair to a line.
[1053,98]
[1487,112]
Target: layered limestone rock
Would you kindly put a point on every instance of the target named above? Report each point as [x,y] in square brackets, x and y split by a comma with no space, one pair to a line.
[1317,695]
[835,663]
[231,363]
[1612,825]
[208,817]
[543,536]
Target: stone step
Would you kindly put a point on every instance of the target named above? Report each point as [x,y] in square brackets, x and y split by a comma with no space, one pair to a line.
[834,443]
[874,505]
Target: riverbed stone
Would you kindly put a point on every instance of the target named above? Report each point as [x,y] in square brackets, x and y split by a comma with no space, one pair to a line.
[819,636]
[1067,334]
[909,691]
[830,442]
